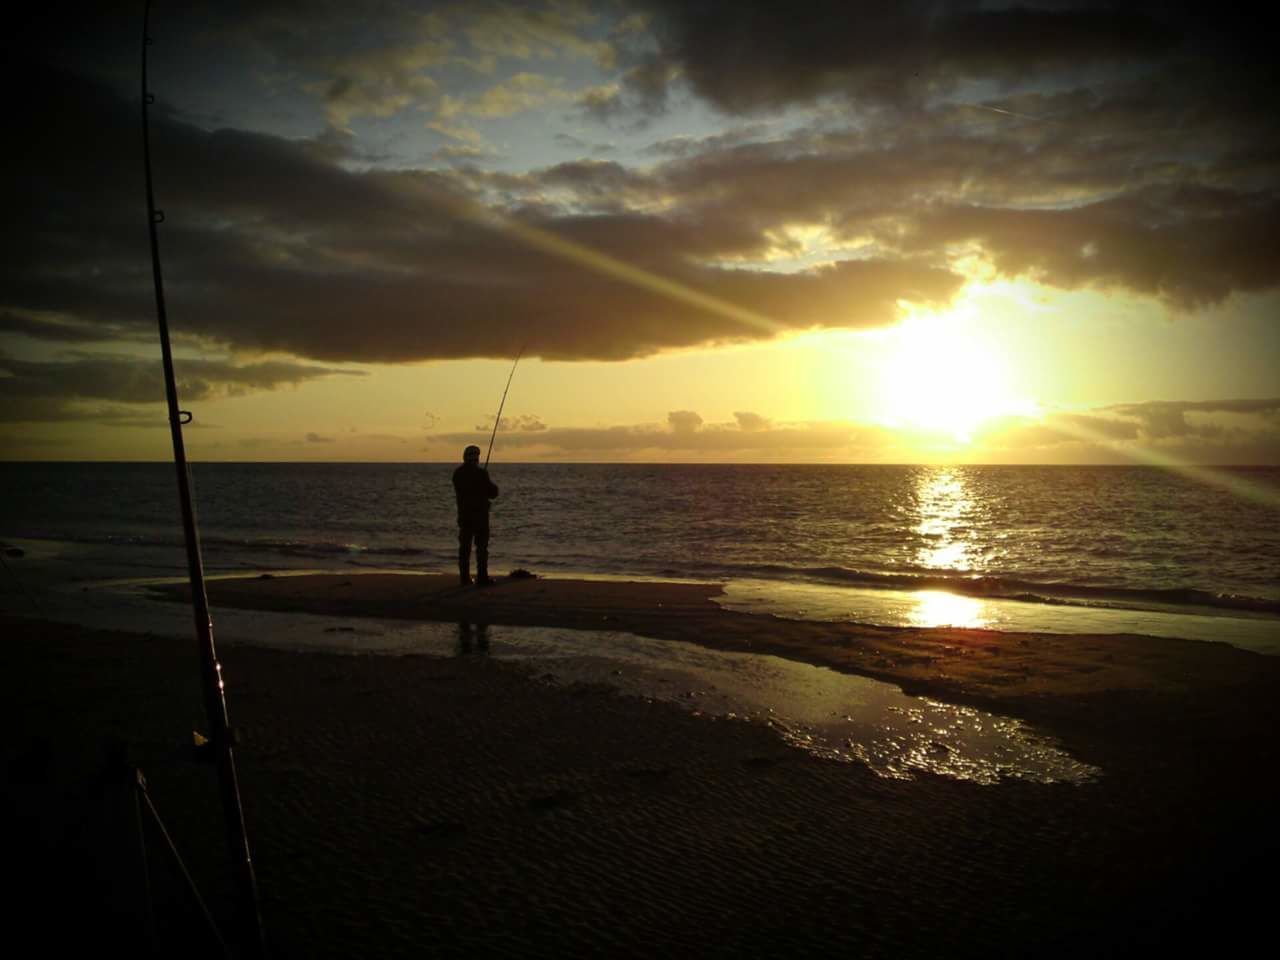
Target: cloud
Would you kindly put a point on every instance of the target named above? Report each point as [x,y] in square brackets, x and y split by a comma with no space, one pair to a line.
[526,32]
[518,93]
[317,438]
[1204,431]
[383,83]
[525,423]
[1191,247]
[91,385]
[528,423]
[1102,435]
[685,145]
[753,55]
[685,435]
[570,142]
[59,329]
[750,422]
[684,421]
[1161,419]
[270,247]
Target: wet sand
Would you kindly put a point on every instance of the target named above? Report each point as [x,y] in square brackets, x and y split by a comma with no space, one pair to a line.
[415,805]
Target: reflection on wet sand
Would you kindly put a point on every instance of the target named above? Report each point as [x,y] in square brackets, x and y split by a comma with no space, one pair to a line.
[937,608]
[472,638]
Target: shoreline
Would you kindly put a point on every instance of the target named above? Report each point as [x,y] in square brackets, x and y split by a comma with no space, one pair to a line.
[926,604]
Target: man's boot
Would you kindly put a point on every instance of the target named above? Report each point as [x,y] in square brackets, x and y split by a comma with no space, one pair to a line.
[482,567]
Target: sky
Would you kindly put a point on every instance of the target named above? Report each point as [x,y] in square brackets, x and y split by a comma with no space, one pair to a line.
[718,231]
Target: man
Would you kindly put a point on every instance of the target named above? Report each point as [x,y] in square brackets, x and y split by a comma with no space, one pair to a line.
[474,490]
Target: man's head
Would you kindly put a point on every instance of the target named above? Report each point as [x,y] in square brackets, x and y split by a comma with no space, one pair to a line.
[471,455]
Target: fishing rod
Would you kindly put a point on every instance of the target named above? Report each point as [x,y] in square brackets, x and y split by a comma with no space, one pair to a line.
[215,704]
[498,419]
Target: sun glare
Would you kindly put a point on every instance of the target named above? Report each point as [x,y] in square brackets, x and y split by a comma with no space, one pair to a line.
[938,374]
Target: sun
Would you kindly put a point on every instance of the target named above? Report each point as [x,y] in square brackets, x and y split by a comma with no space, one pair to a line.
[938,374]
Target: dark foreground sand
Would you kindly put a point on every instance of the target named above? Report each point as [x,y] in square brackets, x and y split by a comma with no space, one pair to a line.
[415,806]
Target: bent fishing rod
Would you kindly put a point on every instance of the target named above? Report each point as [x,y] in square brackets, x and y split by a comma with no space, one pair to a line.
[498,419]
[215,704]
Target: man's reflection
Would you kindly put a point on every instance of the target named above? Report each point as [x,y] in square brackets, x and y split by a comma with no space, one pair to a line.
[472,638]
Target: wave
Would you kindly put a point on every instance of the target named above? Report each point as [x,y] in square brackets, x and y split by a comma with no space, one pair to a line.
[321,548]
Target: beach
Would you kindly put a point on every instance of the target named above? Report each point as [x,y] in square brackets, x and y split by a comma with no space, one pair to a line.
[465,805]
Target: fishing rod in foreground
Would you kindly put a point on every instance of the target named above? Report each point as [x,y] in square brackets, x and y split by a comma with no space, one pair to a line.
[215,704]
[498,419]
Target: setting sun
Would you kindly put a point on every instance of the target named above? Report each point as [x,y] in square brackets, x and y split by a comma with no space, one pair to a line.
[940,375]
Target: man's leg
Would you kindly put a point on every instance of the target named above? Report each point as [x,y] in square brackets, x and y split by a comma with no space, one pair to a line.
[482,555]
[464,555]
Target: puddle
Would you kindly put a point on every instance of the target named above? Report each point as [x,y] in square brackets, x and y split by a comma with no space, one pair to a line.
[829,714]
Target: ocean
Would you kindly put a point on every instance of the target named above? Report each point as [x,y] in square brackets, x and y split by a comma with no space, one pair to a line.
[1014,547]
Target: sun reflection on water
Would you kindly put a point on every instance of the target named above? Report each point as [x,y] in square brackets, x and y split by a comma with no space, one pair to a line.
[944,505]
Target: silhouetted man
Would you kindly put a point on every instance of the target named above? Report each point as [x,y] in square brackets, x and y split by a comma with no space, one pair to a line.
[474,490]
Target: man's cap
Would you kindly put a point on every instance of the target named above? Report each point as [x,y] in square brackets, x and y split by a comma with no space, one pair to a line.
[471,451]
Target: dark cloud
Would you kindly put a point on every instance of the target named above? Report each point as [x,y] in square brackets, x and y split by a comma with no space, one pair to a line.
[1189,246]
[269,246]
[746,55]
[63,331]
[91,385]
[317,438]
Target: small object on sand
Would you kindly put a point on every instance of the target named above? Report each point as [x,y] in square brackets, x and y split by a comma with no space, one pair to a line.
[521,574]
[266,576]
[19,552]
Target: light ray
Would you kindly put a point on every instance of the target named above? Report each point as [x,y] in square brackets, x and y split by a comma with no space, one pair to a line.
[549,242]
[1239,486]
